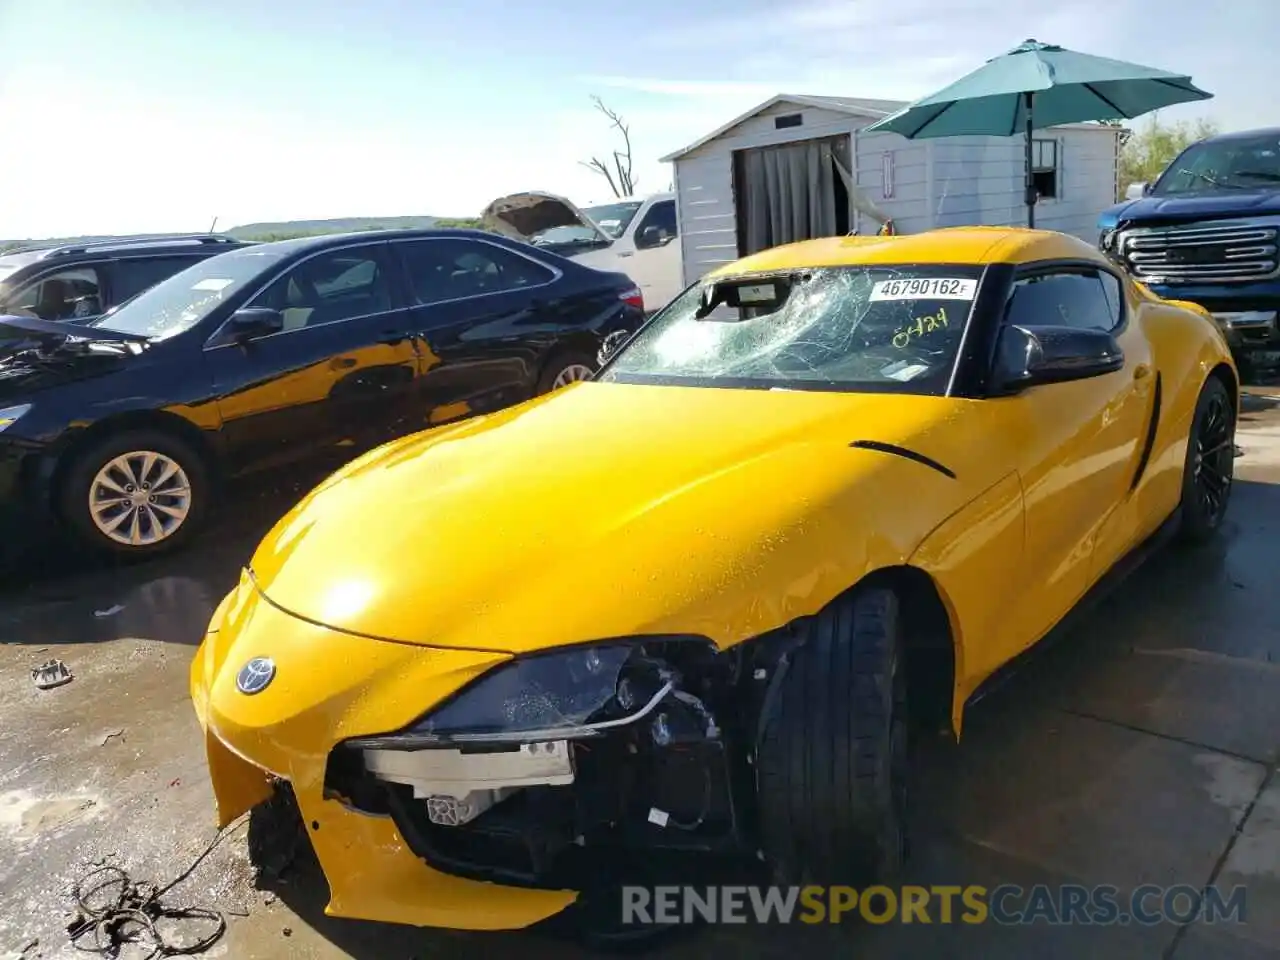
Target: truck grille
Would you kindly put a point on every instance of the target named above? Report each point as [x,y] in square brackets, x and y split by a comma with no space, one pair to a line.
[1236,252]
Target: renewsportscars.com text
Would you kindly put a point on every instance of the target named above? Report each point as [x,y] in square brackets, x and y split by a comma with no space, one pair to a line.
[1066,904]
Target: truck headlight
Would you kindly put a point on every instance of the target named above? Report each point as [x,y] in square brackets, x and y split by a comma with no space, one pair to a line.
[10,415]
[571,693]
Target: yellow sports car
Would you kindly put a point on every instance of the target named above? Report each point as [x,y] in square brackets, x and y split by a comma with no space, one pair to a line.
[671,621]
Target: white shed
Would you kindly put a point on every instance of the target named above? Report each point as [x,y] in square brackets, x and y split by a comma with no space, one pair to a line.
[778,173]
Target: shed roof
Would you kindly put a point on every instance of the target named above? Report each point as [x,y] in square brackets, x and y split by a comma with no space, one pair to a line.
[871,109]
[854,106]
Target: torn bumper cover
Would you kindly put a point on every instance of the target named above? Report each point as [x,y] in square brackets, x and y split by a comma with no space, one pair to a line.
[427,776]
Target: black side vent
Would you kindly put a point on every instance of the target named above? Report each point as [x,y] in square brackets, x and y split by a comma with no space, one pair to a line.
[790,120]
[1145,459]
[894,450]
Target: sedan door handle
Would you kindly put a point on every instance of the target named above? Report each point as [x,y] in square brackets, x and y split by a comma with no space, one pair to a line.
[342,363]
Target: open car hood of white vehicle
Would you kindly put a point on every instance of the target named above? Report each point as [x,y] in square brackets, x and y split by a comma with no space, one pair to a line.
[522,216]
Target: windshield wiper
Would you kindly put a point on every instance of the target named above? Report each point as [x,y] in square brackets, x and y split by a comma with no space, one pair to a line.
[1258,175]
[1210,180]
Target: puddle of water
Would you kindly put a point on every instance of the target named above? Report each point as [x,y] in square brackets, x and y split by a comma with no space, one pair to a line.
[30,816]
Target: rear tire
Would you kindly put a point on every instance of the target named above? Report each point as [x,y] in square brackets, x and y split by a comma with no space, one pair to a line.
[566,368]
[832,758]
[149,475]
[1210,465]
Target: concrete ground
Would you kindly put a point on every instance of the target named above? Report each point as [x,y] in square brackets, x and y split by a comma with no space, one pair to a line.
[1142,749]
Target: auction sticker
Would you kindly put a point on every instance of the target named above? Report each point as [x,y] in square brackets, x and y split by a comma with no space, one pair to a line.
[925,288]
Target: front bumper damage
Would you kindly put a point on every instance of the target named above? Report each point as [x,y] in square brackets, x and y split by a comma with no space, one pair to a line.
[492,832]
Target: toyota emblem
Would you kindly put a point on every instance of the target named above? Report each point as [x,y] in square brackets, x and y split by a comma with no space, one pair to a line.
[255,676]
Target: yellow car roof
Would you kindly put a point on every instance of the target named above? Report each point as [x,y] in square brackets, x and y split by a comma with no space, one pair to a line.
[972,245]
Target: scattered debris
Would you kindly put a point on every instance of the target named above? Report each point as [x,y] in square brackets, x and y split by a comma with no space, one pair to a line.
[109,612]
[287,931]
[175,782]
[111,735]
[53,673]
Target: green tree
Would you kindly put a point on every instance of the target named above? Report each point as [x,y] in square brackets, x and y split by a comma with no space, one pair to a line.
[1146,152]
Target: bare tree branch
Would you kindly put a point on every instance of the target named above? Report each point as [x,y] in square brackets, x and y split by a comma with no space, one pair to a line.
[601,168]
[621,178]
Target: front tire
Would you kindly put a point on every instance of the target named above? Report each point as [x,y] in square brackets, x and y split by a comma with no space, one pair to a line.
[1210,465]
[136,494]
[832,759]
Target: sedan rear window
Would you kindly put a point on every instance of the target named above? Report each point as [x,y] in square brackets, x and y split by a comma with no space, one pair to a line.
[884,329]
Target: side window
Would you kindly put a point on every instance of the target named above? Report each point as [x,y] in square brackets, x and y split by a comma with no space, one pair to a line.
[1063,300]
[449,269]
[130,277]
[658,226]
[1115,297]
[70,294]
[332,286]
[1045,168]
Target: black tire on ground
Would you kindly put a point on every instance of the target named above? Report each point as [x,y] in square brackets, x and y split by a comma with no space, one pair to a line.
[1210,464]
[831,762]
[561,362]
[74,492]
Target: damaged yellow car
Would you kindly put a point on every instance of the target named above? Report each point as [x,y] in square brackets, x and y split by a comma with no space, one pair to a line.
[675,620]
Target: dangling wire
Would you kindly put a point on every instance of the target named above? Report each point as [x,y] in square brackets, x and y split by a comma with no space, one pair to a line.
[115,910]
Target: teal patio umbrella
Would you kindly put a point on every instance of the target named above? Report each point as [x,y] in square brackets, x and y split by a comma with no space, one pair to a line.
[1037,85]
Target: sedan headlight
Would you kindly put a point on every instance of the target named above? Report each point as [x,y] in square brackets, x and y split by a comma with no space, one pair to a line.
[570,693]
[9,415]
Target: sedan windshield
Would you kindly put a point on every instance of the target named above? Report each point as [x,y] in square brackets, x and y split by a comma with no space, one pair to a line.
[876,329]
[180,302]
[1246,163]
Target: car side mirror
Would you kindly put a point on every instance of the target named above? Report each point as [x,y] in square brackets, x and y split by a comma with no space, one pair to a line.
[610,345]
[654,237]
[1136,191]
[1034,356]
[250,323]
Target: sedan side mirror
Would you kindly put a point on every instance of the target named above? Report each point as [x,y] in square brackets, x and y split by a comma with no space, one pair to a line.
[1033,356]
[250,323]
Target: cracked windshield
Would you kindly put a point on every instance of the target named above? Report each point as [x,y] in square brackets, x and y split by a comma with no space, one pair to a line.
[510,479]
[887,329]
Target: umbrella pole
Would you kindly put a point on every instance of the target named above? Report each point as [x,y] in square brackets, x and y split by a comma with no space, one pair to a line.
[1030,177]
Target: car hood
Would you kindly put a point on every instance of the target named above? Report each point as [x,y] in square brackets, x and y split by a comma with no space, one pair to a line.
[522,216]
[1211,205]
[608,510]
[37,354]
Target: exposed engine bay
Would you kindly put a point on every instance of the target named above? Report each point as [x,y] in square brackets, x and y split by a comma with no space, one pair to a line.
[631,762]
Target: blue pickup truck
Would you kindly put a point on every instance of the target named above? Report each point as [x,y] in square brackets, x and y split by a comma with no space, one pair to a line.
[1206,231]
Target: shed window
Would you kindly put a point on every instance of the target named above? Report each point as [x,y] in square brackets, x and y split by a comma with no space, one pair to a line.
[1044,168]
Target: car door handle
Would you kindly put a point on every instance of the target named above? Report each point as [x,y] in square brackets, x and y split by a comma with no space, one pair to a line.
[342,363]
[1141,371]
[627,253]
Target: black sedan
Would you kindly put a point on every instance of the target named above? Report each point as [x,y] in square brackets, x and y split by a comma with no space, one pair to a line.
[122,430]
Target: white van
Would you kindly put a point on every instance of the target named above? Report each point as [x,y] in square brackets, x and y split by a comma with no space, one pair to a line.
[638,237]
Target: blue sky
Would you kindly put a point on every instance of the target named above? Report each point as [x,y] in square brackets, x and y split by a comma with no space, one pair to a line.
[142,115]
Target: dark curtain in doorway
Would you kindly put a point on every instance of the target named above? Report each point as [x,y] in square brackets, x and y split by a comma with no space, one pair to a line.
[790,194]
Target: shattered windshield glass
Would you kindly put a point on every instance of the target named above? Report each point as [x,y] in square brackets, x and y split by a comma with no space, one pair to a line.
[883,328]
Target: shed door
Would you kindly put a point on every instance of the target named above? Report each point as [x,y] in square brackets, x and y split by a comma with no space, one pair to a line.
[790,192]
